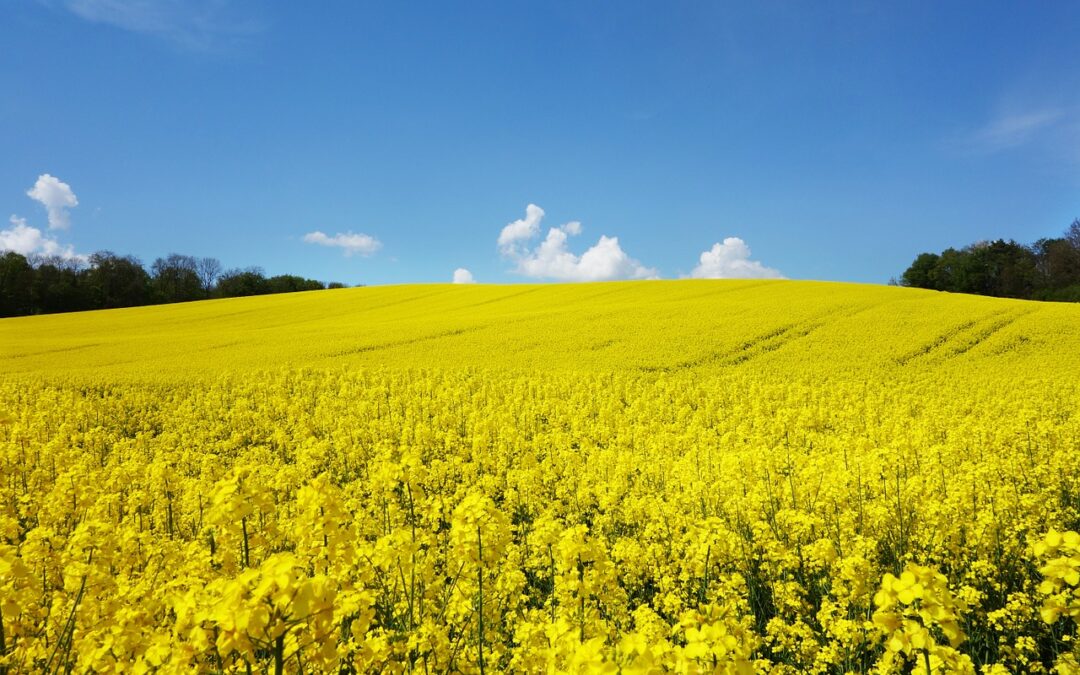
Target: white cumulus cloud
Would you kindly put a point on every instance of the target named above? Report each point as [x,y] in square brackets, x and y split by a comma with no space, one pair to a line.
[731,260]
[350,243]
[27,241]
[56,196]
[552,258]
[572,228]
[521,230]
[463,276]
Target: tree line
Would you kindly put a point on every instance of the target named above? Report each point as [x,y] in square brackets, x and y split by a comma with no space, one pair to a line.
[105,280]
[1049,269]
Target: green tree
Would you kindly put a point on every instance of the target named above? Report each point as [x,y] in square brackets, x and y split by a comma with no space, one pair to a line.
[236,283]
[176,279]
[60,285]
[116,281]
[290,283]
[16,280]
[1057,263]
[923,272]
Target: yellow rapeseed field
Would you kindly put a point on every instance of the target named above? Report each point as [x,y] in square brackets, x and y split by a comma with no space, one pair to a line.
[684,476]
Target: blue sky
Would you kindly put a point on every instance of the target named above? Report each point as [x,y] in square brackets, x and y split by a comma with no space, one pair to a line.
[814,140]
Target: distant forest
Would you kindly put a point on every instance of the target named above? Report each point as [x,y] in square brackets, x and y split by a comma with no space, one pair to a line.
[1049,269]
[44,285]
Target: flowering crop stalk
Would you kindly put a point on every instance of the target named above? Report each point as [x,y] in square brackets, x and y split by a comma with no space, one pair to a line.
[412,568]
[243,528]
[480,577]
[705,580]
[900,517]
[169,507]
[69,626]
[551,561]
[581,600]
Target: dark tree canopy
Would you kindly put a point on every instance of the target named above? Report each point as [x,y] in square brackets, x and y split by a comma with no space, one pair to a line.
[176,279]
[117,281]
[1049,269]
[923,272]
[239,283]
[290,283]
[44,285]
[16,285]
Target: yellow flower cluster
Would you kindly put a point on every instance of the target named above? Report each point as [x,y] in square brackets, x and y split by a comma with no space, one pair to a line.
[913,607]
[744,496]
[1060,554]
[1062,572]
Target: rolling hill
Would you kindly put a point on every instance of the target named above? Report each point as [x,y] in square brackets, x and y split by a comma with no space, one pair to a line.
[661,326]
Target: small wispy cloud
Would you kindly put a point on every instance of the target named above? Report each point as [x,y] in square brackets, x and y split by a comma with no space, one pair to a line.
[1015,129]
[202,25]
[350,243]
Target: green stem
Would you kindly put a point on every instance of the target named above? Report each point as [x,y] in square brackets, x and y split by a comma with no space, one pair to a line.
[551,561]
[69,626]
[279,655]
[581,600]
[480,577]
[3,644]
[243,528]
[705,580]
